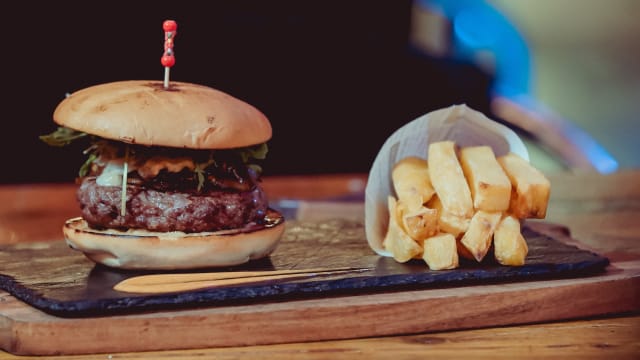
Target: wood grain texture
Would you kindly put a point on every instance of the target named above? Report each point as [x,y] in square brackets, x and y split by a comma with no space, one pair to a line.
[599,338]
[600,211]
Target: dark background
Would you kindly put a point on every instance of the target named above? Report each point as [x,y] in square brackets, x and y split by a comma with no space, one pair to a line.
[335,78]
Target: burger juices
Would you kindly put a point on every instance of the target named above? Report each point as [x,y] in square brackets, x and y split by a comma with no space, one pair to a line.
[178,160]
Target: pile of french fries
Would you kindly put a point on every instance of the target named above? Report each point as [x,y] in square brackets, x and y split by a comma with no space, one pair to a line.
[463,202]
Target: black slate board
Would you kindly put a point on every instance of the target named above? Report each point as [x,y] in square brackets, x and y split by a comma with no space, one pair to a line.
[60,281]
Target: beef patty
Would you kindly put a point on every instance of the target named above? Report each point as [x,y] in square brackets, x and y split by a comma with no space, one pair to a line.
[156,210]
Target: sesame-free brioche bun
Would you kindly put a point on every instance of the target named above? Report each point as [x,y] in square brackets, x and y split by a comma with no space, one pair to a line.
[143,112]
[147,250]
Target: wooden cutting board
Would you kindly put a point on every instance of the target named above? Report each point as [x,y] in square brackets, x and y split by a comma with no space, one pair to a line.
[60,303]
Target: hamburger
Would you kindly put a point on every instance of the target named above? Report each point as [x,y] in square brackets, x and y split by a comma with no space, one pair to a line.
[172,176]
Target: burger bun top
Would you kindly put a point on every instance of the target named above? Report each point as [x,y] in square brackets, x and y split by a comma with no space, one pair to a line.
[143,112]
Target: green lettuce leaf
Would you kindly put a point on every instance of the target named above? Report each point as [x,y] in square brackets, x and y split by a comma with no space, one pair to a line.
[98,147]
[62,136]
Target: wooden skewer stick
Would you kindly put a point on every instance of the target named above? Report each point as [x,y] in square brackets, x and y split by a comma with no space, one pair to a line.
[166,77]
[166,283]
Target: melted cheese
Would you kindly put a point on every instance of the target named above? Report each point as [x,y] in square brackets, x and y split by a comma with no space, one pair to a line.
[114,169]
[152,167]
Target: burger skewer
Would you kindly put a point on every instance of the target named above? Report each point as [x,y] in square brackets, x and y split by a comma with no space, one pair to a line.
[168,59]
[125,173]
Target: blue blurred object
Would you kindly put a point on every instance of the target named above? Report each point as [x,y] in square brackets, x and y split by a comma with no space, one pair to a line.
[479,28]
[483,35]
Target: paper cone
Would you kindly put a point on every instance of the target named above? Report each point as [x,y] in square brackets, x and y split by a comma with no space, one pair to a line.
[458,123]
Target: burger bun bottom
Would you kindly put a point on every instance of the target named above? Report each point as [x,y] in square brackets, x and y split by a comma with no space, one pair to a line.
[147,250]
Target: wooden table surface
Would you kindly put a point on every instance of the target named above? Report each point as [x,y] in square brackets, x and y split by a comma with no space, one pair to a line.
[602,211]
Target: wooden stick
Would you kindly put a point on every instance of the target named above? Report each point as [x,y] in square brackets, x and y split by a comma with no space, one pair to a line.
[166,77]
[165,283]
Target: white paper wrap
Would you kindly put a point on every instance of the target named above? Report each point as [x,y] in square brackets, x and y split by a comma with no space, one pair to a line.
[459,123]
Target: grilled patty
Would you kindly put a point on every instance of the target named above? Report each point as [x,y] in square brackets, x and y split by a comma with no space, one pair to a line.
[155,210]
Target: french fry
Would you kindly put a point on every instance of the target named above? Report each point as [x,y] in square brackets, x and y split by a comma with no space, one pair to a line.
[396,241]
[440,252]
[448,179]
[411,182]
[459,203]
[447,222]
[490,187]
[478,237]
[419,224]
[509,246]
[530,188]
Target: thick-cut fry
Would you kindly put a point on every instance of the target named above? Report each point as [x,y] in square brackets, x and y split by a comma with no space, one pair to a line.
[461,201]
[530,188]
[478,237]
[490,187]
[448,179]
[509,246]
[447,222]
[440,252]
[396,241]
[453,224]
[419,224]
[411,182]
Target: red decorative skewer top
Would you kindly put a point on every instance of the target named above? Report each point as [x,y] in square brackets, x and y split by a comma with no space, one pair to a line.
[168,59]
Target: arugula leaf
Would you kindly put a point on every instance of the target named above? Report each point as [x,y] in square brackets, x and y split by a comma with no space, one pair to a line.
[199,170]
[253,152]
[103,148]
[62,136]
[84,170]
